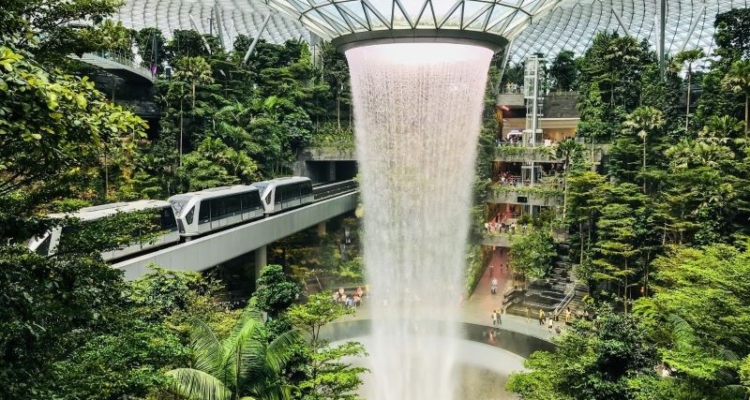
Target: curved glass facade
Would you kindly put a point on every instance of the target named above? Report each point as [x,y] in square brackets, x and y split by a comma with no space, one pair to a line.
[331,19]
[229,17]
[534,26]
[573,24]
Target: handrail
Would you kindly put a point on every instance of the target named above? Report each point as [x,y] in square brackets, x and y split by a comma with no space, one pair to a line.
[332,189]
[565,301]
[118,58]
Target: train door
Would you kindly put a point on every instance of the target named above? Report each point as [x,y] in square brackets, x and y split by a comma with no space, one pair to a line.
[279,196]
[204,216]
[217,212]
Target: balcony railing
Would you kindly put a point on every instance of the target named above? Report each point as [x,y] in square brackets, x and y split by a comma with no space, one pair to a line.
[516,152]
[503,235]
[546,190]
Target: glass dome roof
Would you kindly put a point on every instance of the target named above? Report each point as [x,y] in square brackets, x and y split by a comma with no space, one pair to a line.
[227,17]
[334,18]
[534,26]
[573,24]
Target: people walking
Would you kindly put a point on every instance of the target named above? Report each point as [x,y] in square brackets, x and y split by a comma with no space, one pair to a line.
[567,316]
[499,316]
[528,314]
[492,271]
[541,317]
[494,318]
[493,286]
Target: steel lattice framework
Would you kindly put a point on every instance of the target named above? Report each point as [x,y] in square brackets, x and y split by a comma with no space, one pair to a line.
[573,24]
[533,26]
[227,17]
[330,19]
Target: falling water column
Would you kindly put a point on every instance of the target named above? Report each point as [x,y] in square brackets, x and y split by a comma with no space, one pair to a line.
[417,109]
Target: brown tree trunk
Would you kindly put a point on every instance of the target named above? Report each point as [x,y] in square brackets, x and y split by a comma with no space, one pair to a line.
[181,133]
[687,107]
[747,99]
[644,164]
[625,292]
[580,230]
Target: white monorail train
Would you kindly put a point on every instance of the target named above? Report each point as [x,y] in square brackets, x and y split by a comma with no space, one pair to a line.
[163,217]
[194,214]
[284,193]
[209,210]
[212,209]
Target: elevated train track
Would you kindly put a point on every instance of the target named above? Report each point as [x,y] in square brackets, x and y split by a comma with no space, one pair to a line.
[331,200]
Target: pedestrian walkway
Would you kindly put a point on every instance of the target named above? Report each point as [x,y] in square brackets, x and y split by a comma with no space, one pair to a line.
[478,309]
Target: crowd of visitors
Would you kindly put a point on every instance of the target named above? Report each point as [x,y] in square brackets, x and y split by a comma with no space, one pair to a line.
[496,228]
[353,299]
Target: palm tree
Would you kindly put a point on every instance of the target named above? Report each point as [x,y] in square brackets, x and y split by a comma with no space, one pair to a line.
[737,80]
[644,119]
[193,70]
[241,364]
[689,57]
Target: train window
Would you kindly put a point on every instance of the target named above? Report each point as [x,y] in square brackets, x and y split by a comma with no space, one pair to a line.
[293,191]
[290,192]
[204,213]
[307,189]
[250,201]
[232,204]
[43,248]
[168,222]
[189,215]
[217,208]
[279,195]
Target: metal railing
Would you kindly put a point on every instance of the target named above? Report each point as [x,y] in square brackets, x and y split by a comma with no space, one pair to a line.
[566,300]
[328,190]
[123,59]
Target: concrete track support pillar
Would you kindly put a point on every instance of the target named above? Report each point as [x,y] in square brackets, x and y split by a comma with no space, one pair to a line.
[322,229]
[261,260]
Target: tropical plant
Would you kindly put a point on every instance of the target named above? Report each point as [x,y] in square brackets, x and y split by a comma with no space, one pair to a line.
[566,151]
[44,28]
[689,57]
[564,71]
[643,120]
[328,375]
[532,254]
[244,365]
[194,71]
[592,361]
[737,80]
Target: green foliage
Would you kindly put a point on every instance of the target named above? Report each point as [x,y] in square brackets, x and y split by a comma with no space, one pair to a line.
[532,254]
[592,361]
[564,71]
[327,376]
[698,315]
[44,28]
[50,304]
[737,80]
[52,132]
[245,362]
[151,47]
[477,258]
[330,137]
[643,121]
[276,292]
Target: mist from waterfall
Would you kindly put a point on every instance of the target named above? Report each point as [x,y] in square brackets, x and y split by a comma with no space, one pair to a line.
[417,110]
